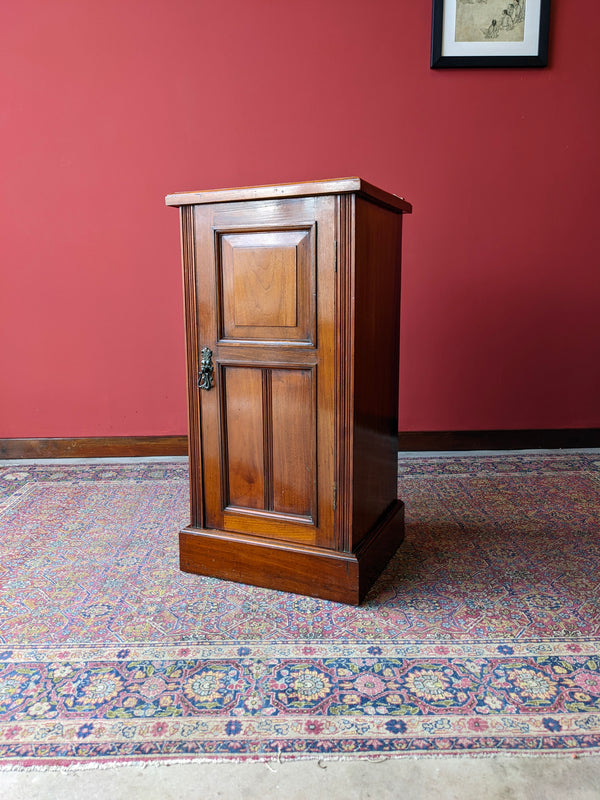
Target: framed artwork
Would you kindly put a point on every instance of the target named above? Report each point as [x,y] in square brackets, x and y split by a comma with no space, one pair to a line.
[490,33]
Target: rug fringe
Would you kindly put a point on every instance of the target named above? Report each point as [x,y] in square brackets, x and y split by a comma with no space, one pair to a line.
[282,760]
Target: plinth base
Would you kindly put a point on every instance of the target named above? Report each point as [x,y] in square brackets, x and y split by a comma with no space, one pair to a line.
[274,564]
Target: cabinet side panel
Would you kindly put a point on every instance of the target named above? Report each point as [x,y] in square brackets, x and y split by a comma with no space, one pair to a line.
[376,353]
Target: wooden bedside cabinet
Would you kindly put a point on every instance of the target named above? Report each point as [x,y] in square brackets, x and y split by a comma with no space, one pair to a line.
[292,300]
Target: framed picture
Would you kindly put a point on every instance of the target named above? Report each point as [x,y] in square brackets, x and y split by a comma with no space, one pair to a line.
[490,33]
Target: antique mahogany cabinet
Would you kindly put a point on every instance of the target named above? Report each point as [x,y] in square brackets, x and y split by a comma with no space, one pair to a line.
[292,300]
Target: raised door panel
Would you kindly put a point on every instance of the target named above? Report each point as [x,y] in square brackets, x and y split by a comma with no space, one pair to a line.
[269,441]
[267,285]
[267,425]
[293,439]
[243,445]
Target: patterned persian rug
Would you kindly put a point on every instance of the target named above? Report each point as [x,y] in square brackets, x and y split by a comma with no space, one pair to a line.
[481,637]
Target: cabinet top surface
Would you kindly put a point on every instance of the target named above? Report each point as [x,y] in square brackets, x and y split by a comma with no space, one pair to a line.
[308,188]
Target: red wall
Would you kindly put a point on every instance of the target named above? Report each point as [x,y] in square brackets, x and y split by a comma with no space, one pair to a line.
[108,106]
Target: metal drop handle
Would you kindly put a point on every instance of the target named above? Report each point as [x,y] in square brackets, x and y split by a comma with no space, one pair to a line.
[207,370]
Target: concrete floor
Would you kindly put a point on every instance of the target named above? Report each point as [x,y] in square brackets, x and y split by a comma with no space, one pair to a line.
[464,778]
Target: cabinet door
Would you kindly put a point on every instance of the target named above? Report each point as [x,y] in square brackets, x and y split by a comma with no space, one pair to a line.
[265,290]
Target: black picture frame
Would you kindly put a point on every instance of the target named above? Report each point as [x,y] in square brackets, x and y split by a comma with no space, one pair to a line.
[490,49]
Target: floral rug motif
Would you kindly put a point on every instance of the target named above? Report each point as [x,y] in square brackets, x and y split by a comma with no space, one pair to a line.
[482,635]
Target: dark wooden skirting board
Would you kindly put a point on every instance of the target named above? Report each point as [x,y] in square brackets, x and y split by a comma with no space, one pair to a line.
[138,446]
[499,440]
[95,447]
